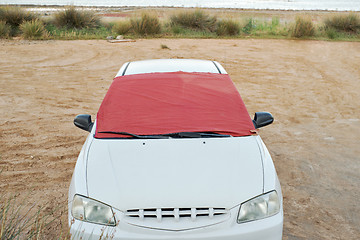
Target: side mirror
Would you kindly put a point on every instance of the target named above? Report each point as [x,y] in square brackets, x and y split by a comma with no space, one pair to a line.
[262,119]
[84,122]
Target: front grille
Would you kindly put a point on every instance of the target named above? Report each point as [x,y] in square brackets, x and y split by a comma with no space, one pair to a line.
[175,213]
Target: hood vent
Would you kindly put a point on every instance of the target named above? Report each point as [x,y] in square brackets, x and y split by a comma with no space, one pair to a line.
[175,213]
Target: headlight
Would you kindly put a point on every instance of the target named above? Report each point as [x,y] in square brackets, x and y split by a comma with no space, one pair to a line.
[89,210]
[260,207]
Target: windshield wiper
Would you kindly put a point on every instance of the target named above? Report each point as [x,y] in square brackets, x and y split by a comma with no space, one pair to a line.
[195,135]
[171,135]
[137,136]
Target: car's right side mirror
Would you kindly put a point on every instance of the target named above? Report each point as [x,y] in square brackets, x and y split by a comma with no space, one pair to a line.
[84,122]
[262,119]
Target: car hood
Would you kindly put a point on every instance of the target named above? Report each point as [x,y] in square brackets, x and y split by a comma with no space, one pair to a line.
[174,173]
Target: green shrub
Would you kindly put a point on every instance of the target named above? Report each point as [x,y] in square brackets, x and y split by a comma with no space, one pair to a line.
[122,27]
[72,18]
[331,33]
[249,26]
[304,27]
[75,33]
[176,29]
[347,23]
[275,28]
[33,29]
[197,19]
[275,22]
[228,27]
[14,16]
[146,25]
[4,29]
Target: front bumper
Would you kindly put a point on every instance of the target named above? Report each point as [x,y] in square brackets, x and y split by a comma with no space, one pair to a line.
[268,228]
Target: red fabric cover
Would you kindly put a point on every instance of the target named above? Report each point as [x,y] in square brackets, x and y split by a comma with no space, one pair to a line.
[160,103]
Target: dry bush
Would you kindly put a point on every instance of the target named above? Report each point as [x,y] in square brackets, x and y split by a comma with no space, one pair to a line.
[14,16]
[228,27]
[198,20]
[122,27]
[146,25]
[20,219]
[4,29]
[73,18]
[34,29]
[346,23]
[304,27]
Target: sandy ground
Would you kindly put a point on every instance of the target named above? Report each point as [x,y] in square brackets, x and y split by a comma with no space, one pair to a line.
[311,87]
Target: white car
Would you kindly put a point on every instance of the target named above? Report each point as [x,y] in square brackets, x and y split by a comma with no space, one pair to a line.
[174,154]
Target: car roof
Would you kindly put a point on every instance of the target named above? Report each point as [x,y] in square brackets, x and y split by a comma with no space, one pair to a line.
[164,103]
[170,65]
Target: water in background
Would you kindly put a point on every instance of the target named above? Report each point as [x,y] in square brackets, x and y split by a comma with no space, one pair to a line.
[336,5]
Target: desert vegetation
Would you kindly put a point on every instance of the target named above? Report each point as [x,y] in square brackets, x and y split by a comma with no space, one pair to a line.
[72,18]
[146,25]
[4,29]
[75,23]
[14,16]
[196,20]
[11,18]
[348,23]
[303,27]
[228,27]
[33,29]
[122,27]
[20,219]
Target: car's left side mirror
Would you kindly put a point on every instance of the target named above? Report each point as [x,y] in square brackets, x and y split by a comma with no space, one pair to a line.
[262,119]
[84,122]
